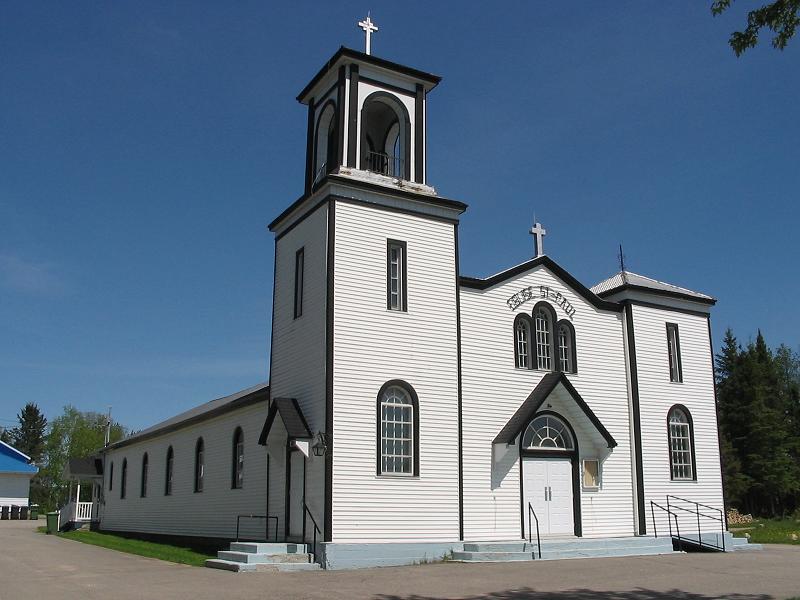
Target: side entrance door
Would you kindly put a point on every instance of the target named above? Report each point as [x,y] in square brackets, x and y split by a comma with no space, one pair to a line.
[547,485]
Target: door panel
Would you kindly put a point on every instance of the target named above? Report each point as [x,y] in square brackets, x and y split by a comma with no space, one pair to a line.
[560,505]
[547,485]
[296,474]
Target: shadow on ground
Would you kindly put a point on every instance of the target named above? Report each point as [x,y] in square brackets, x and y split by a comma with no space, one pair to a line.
[638,594]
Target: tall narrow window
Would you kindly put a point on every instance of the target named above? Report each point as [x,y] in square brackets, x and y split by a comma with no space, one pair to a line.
[396,275]
[522,338]
[168,472]
[299,266]
[674,351]
[543,322]
[566,347]
[199,465]
[681,444]
[398,430]
[238,459]
[124,482]
[111,478]
[145,467]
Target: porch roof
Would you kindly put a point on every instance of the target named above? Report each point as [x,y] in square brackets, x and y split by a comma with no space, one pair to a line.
[90,467]
[520,419]
[292,417]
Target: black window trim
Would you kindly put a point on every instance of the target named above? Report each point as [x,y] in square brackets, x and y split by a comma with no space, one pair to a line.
[523,317]
[169,471]
[299,281]
[572,345]
[124,479]
[674,327]
[111,477]
[688,414]
[199,447]
[414,407]
[238,434]
[553,333]
[403,275]
[144,476]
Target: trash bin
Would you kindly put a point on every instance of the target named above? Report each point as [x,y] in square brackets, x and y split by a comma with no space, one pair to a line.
[52,522]
[23,513]
[14,512]
[34,513]
[5,513]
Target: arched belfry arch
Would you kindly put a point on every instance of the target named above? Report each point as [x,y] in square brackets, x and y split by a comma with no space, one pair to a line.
[325,141]
[385,136]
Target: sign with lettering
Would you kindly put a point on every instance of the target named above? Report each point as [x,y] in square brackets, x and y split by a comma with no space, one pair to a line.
[541,292]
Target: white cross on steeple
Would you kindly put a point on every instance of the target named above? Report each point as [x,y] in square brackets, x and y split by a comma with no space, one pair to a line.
[369,28]
[538,232]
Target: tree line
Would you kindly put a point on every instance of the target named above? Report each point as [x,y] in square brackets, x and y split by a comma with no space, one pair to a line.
[758,400]
[72,434]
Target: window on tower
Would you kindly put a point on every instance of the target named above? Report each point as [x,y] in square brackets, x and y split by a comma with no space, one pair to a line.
[543,343]
[674,353]
[396,275]
[566,347]
[325,142]
[299,268]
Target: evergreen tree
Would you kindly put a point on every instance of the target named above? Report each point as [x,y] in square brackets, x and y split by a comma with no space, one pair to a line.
[28,437]
[5,436]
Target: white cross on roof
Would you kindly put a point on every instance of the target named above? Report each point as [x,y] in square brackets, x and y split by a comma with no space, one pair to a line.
[369,28]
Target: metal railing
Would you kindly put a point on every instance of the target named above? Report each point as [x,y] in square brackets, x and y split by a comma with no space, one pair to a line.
[385,164]
[677,534]
[698,514]
[267,518]
[317,530]
[532,512]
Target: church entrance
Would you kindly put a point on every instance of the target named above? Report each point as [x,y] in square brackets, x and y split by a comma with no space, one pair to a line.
[549,455]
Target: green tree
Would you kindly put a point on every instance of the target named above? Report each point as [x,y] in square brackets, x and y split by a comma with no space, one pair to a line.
[5,435]
[28,436]
[780,16]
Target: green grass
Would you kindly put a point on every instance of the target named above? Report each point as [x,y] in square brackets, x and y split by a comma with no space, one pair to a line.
[176,554]
[771,531]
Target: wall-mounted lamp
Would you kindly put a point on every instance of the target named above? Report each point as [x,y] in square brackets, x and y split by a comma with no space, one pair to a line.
[320,446]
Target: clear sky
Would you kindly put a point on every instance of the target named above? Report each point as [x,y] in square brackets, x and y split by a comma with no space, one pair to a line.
[144,147]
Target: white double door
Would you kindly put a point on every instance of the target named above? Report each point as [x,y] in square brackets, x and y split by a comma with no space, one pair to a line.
[547,485]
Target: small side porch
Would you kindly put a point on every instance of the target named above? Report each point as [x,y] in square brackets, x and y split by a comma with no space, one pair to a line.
[85,476]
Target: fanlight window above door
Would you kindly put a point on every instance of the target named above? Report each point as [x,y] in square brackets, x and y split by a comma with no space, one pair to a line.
[547,432]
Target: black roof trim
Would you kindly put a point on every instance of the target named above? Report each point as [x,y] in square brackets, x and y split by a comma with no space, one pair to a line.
[371,187]
[549,263]
[344,52]
[292,418]
[533,403]
[259,395]
[656,292]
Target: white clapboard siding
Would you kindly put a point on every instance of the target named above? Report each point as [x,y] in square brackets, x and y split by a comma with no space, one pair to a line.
[493,389]
[210,513]
[298,345]
[373,345]
[657,395]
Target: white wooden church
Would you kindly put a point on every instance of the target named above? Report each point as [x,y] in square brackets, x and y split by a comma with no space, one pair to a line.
[412,411]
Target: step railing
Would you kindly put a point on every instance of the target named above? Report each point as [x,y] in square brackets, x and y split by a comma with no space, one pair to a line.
[317,530]
[266,518]
[532,513]
[83,511]
[717,516]
[677,533]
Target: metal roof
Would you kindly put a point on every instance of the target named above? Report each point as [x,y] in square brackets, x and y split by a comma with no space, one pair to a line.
[627,280]
[14,461]
[210,409]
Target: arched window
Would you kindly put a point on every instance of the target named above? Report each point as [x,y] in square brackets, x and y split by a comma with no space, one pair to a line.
[199,465]
[168,472]
[398,429]
[680,433]
[547,432]
[111,478]
[145,466]
[522,341]
[124,482]
[238,459]
[385,136]
[326,142]
[567,360]
[543,319]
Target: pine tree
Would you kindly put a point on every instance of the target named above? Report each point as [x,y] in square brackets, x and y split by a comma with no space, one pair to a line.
[28,437]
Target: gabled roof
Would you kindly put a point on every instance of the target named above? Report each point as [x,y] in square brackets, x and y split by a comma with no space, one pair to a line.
[14,461]
[209,410]
[525,413]
[625,280]
[553,267]
[292,417]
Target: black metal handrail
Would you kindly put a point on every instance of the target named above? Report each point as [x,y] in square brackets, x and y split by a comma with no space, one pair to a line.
[268,518]
[306,511]
[698,513]
[385,164]
[532,512]
[669,513]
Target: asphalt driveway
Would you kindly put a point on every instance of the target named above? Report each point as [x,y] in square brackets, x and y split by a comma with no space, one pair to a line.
[40,567]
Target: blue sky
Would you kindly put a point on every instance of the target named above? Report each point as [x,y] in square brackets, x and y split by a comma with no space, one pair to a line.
[145,146]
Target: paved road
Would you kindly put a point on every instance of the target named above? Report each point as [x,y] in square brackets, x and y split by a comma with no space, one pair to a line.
[40,567]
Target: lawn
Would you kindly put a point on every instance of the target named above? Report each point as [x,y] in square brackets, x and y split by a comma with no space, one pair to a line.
[176,554]
[770,531]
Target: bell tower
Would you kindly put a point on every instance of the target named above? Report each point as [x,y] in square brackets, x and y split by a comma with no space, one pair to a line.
[367,115]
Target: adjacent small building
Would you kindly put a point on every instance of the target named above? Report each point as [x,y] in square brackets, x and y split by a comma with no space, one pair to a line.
[16,472]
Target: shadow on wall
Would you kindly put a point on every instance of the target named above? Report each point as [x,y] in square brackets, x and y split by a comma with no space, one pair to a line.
[638,594]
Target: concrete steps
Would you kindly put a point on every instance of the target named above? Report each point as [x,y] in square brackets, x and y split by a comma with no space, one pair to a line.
[264,556]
